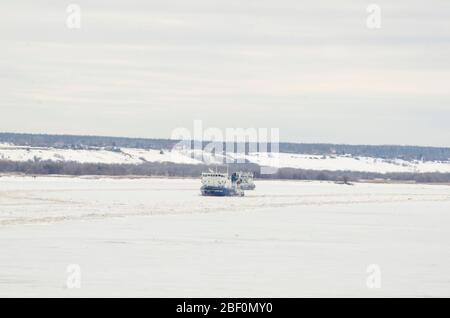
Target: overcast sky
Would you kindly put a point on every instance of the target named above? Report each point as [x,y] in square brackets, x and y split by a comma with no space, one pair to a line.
[311,68]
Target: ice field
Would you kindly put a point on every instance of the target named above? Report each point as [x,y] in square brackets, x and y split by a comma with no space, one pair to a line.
[158,237]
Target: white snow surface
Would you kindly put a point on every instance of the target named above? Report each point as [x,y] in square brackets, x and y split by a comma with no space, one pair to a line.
[302,161]
[151,237]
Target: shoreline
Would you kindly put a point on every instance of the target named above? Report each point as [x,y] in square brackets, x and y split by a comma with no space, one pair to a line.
[131,177]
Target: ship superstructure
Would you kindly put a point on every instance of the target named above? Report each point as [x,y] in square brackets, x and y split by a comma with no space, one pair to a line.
[247,182]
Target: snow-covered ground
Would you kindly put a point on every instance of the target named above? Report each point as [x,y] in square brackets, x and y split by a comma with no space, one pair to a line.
[301,161]
[124,156]
[346,162]
[159,237]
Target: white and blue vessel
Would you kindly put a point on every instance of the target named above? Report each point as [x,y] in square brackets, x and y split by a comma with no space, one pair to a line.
[221,185]
[247,182]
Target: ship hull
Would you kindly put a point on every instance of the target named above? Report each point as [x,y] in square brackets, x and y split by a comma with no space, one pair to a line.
[220,191]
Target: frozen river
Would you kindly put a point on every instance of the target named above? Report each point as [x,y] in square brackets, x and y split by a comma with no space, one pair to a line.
[159,237]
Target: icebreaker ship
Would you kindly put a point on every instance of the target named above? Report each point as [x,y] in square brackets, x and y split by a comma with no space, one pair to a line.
[221,185]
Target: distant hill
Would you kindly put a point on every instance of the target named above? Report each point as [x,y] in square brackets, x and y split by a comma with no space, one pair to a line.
[114,156]
[378,151]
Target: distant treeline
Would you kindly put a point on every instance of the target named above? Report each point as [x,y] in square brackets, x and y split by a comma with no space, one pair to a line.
[79,142]
[83,142]
[166,169]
